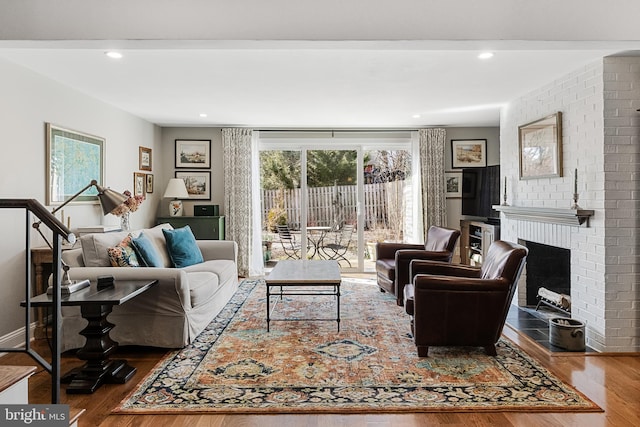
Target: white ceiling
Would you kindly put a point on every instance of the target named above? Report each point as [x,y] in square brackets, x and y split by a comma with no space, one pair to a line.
[306,85]
[313,64]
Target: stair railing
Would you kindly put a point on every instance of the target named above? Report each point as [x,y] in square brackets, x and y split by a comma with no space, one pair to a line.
[60,231]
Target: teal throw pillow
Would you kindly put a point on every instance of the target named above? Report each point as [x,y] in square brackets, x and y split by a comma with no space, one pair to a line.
[182,247]
[147,252]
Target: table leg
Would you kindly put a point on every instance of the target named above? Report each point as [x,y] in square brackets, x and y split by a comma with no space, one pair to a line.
[268,308]
[98,369]
[337,288]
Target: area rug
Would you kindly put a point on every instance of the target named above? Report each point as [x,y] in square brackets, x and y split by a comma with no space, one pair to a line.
[371,365]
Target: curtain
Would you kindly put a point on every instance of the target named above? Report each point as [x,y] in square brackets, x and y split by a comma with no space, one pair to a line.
[239,181]
[434,207]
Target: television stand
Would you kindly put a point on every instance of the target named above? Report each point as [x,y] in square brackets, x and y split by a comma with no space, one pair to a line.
[475,239]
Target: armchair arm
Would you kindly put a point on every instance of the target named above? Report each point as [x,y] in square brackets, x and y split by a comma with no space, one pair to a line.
[442,269]
[387,250]
[422,282]
[404,257]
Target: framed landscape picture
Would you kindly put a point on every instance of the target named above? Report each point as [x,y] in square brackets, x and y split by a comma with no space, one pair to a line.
[73,160]
[198,184]
[453,184]
[193,153]
[540,147]
[468,153]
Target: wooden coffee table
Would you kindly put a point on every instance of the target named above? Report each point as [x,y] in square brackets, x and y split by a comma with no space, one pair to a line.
[304,277]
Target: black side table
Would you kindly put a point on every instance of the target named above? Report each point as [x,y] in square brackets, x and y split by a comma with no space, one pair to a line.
[95,306]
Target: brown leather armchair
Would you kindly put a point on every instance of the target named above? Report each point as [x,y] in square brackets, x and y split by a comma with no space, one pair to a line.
[459,305]
[392,263]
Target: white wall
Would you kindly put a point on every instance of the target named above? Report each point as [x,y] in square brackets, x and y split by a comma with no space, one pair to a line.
[169,135]
[27,102]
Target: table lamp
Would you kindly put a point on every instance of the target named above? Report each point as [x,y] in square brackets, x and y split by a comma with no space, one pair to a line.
[176,189]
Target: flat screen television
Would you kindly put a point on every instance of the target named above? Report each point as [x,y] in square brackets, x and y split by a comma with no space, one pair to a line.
[480,191]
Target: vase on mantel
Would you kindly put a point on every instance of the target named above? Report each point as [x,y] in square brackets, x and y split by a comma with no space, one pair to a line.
[125,225]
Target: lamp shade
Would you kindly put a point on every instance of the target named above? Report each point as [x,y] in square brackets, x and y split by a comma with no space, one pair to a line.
[176,189]
[109,199]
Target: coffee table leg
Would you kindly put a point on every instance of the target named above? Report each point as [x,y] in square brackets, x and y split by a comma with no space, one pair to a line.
[338,305]
[268,309]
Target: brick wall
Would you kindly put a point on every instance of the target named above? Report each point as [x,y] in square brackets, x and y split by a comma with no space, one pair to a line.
[621,184]
[600,140]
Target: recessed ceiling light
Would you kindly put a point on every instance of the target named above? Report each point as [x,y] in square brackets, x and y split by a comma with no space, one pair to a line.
[203,114]
[485,55]
[113,54]
[416,116]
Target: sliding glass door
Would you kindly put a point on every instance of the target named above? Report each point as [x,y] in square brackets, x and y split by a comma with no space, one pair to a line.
[334,197]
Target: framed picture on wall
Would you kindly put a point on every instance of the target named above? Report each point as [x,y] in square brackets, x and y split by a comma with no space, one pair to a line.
[73,160]
[144,158]
[541,147]
[468,153]
[139,184]
[193,153]
[453,184]
[198,184]
[149,188]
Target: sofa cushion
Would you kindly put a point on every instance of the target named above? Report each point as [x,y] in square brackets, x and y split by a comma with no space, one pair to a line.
[123,255]
[182,247]
[95,247]
[147,251]
[156,235]
[202,286]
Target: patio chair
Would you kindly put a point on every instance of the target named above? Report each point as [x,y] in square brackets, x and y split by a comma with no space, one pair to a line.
[288,241]
[338,248]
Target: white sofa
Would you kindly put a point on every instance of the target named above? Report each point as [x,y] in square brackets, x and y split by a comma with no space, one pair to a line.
[170,314]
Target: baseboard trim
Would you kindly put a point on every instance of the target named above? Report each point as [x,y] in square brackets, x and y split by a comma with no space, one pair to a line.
[15,339]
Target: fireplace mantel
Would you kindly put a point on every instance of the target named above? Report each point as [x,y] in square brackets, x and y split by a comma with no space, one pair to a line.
[574,217]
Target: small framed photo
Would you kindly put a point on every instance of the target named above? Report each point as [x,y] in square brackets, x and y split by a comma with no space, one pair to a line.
[149,188]
[139,184]
[144,159]
[198,184]
[468,153]
[541,147]
[453,184]
[193,153]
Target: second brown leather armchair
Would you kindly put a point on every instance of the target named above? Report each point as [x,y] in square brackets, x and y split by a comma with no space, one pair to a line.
[392,263]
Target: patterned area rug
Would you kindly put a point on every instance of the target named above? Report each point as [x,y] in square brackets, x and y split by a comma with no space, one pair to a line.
[371,365]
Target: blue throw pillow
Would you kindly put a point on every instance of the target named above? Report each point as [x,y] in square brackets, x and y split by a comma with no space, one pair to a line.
[146,251]
[182,247]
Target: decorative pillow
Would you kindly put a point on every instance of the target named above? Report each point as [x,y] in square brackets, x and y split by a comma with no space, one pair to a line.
[123,254]
[146,251]
[182,247]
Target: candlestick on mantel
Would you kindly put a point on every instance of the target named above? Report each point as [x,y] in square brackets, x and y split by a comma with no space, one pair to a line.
[575,190]
[504,203]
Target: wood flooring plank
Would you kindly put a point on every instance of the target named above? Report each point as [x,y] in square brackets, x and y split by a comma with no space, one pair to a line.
[613,382]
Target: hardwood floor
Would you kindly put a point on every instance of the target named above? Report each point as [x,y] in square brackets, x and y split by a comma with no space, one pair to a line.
[611,381]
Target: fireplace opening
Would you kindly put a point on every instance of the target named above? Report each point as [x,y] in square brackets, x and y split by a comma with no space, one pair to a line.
[548,267]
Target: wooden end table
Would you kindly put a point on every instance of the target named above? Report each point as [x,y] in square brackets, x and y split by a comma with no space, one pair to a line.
[95,306]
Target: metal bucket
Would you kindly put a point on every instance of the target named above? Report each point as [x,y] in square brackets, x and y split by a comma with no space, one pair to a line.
[567,333]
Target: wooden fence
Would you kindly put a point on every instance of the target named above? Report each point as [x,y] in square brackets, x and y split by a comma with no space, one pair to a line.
[383,205]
